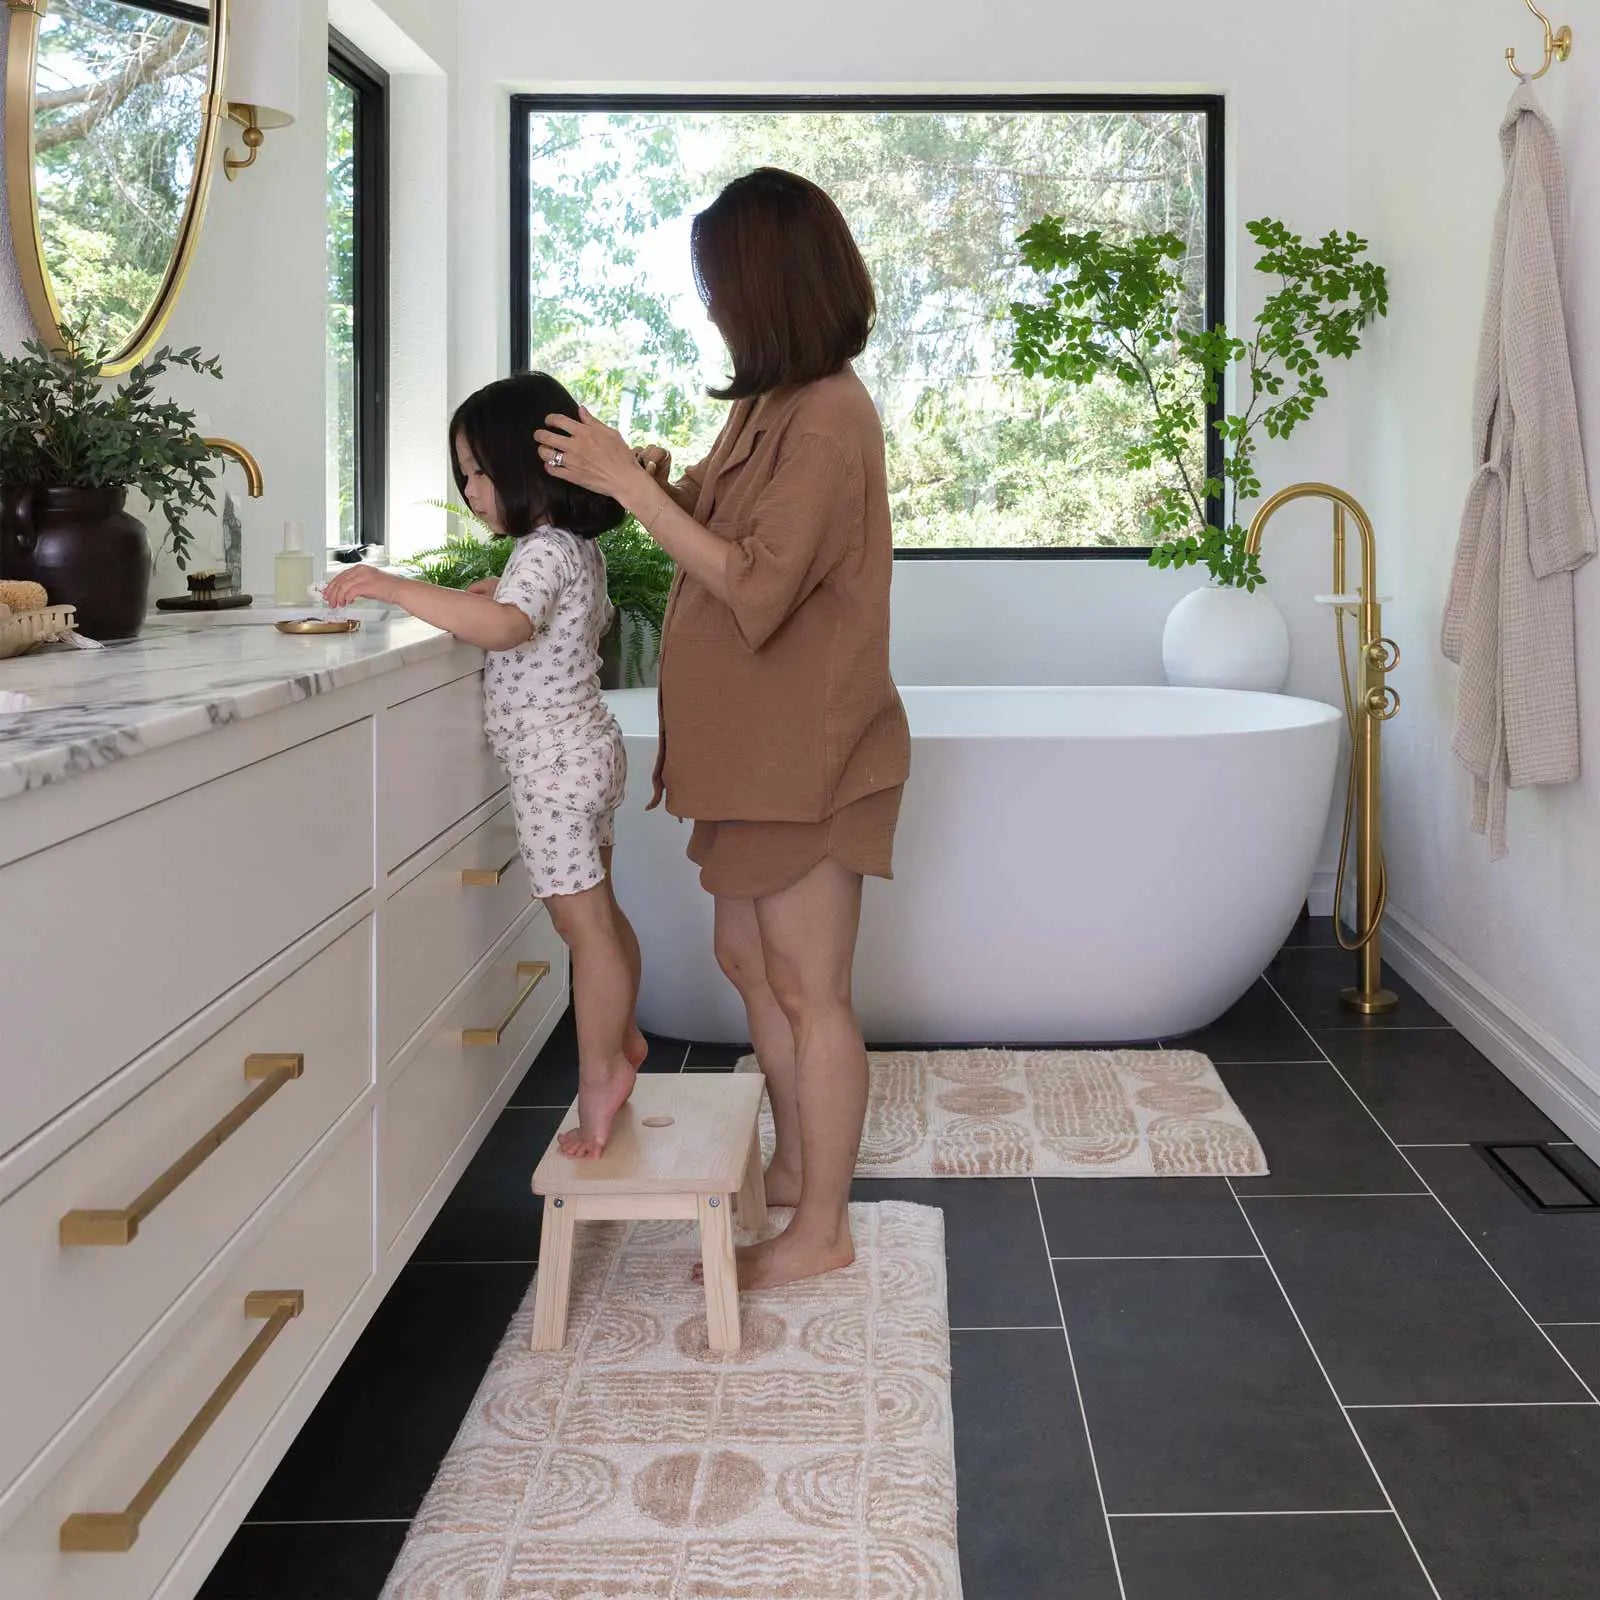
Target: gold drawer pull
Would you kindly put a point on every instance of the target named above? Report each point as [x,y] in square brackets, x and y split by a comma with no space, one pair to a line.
[489,877]
[532,974]
[269,1073]
[114,1532]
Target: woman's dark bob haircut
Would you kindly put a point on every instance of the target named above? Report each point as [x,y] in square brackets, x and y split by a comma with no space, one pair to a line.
[783,280]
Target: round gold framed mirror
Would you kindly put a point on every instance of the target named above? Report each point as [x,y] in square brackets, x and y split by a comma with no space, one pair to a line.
[113,121]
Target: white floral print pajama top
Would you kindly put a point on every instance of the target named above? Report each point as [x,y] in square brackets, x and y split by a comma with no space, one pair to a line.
[544,716]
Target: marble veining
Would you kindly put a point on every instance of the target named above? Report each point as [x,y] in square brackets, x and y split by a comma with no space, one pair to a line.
[180,678]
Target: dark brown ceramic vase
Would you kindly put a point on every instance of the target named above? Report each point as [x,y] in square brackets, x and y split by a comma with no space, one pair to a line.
[86,551]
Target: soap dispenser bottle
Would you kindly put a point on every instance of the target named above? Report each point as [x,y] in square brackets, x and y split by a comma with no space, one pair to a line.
[292,569]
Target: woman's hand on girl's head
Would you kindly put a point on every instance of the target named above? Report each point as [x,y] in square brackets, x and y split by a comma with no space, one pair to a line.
[360,582]
[588,453]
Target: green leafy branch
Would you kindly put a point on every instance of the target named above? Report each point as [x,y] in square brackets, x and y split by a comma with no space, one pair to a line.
[63,426]
[1109,309]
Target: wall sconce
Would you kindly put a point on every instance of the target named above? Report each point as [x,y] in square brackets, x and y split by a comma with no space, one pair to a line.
[263,73]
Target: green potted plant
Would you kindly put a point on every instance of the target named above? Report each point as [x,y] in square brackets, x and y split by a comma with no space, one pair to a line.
[1110,309]
[71,447]
[639,577]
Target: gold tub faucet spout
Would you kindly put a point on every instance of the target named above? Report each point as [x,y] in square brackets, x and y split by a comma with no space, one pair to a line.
[1367,707]
[252,467]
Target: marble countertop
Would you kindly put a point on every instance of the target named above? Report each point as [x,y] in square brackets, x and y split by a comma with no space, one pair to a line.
[179,678]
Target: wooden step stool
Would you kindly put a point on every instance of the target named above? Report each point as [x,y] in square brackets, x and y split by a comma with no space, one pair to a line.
[687,1145]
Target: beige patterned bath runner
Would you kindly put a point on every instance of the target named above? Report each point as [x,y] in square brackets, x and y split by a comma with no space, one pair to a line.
[1050,1113]
[816,1464]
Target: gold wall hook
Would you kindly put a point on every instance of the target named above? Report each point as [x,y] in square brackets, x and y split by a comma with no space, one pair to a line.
[1557,46]
[248,118]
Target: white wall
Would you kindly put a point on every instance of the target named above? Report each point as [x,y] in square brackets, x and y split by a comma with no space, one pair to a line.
[256,293]
[1428,90]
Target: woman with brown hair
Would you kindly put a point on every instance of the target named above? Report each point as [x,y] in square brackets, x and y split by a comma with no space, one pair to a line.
[782,734]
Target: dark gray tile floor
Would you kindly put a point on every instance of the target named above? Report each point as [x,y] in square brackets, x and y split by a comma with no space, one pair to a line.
[1369,1375]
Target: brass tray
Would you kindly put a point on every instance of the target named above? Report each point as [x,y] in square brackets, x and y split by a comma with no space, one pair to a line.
[319,625]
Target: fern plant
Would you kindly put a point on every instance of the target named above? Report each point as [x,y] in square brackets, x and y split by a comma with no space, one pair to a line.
[639,575]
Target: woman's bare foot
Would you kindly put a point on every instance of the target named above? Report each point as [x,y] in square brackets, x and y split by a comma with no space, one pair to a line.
[789,1258]
[599,1101]
[782,1183]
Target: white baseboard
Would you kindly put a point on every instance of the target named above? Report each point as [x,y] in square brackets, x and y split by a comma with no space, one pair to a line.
[1567,1091]
[1321,897]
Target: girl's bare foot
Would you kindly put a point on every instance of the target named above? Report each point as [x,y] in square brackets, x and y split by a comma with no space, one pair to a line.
[599,1101]
[782,1183]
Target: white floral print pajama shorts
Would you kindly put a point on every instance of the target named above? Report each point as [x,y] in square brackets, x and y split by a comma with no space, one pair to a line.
[566,807]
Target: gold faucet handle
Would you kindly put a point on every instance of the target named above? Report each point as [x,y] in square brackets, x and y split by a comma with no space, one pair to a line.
[1383,654]
[1382,703]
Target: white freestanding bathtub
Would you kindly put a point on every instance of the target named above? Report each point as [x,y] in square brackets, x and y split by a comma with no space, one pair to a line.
[1074,865]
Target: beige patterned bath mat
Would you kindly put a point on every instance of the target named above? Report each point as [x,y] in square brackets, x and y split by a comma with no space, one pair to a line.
[1049,1114]
[816,1464]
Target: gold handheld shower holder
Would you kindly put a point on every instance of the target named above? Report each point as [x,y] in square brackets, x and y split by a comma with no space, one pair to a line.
[1367,706]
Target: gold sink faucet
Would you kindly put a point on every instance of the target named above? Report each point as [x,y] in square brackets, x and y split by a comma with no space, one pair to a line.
[252,467]
[1371,704]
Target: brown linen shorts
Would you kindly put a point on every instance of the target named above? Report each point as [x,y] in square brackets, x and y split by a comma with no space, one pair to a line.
[749,860]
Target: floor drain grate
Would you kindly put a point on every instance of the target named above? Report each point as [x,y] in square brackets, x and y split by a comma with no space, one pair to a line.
[1541,1177]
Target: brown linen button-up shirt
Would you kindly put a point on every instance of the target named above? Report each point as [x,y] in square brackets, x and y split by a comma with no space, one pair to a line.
[777,705]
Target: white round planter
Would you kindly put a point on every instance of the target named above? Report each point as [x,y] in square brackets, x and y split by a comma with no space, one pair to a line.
[1223,638]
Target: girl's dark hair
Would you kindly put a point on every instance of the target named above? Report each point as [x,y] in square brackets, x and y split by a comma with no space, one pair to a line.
[498,423]
[782,278]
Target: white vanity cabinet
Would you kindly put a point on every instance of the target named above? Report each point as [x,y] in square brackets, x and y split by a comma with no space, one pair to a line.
[264,986]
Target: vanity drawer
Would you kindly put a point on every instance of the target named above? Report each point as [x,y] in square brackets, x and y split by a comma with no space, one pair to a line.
[73,1309]
[444,922]
[114,938]
[321,1249]
[447,1081]
[434,766]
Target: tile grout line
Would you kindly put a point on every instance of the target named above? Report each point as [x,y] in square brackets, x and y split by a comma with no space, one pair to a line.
[1348,1194]
[1569,1324]
[1170,1516]
[1316,1355]
[1218,1061]
[1454,1221]
[1077,1388]
[327,1522]
[1158,1258]
[511,1263]
[1393,1027]
[1469,1405]
[1032,1327]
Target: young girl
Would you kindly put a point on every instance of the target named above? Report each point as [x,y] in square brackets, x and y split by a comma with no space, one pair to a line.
[541,624]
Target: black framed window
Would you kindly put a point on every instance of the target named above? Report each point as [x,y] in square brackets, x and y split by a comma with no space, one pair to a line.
[936,188]
[358,295]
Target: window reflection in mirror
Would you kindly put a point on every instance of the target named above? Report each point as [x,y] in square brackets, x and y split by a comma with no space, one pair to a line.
[119,93]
